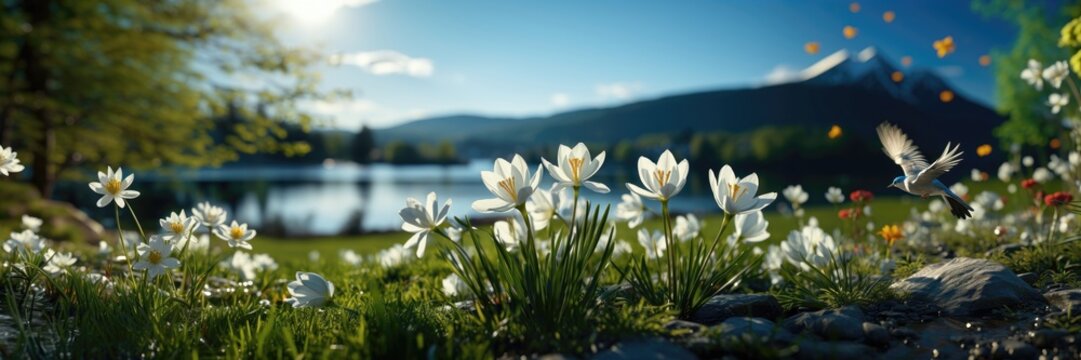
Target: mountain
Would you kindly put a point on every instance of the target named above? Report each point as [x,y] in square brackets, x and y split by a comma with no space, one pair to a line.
[853,91]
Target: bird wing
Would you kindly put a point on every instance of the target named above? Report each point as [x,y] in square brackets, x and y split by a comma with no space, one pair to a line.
[948,159]
[899,147]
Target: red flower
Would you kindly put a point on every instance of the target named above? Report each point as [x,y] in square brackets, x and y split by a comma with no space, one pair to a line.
[861,196]
[846,214]
[1028,183]
[1058,199]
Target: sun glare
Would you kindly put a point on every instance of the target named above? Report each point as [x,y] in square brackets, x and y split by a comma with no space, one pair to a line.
[313,12]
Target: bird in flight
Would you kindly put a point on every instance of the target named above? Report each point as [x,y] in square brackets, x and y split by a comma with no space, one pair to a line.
[921,178]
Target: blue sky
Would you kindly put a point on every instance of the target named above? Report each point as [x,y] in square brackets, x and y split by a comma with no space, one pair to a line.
[406,59]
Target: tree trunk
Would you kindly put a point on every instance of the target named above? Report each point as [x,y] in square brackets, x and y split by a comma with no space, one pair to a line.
[37,77]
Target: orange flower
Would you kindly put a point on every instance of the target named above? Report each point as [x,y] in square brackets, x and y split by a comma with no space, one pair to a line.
[850,32]
[1055,143]
[945,46]
[854,7]
[835,132]
[888,16]
[906,61]
[891,233]
[897,76]
[983,150]
[985,60]
[946,96]
[811,47]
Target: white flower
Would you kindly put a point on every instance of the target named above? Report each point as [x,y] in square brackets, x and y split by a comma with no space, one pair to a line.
[113,187]
[313,255]
[990,200]
[1042,175]
[735,195]
[309,290]
[1059,166]
[103,248]
[795,195]
[808,247]
[834,195]
[543,206]
[1028,161]
[1033,74]
[1057,101]
[57,262]
[177,226]
[574,168]
[209,216]
[936,205]
[1075,159]
[960,189]
[25,242]
[687,227]
[631,210]
[512,232]
[199,242]
[236,234]
[32,223]
[774,261]
[394,256]
[1012,188]
[1056,73]
[510,182]
[350,257]
[421,220]
[976,175]
[662,180]
[154,257]
[1065,222]
[454,286]
[249,266]
[751,227]
[653,244]
[9,162]
[1005,171]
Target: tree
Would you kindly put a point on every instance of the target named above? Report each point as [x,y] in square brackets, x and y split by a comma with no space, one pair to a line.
[144,83]
[363,143]
[400,152]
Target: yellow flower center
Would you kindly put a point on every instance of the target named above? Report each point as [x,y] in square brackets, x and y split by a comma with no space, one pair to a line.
[113,186]
[735,190]
[154,257]
[176,227]
[509,186]
[576,168]
[236,232]
[662,177]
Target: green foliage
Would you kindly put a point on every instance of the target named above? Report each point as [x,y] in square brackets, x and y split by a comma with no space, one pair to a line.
[400,152]
[363,144]
[844,281]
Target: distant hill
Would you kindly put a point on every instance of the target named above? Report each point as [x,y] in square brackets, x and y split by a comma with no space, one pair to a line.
[853,90]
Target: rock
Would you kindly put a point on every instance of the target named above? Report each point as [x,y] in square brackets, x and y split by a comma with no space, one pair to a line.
[684,327]
[840,324]
[742,328]
[839,350]
[1029,278]
[724,306]
[555,357]
[1047,338]
[646,349]
[876,335]
[1013,349]
[1067,300]
[965,286]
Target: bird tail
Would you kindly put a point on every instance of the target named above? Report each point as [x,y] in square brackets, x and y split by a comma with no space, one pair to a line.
[958,207]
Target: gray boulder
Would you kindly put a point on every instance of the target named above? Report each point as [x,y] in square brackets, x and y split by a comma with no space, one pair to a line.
[646,349]
[724,306]
[1067,300]
[754,329]
[838,324]
[965,286]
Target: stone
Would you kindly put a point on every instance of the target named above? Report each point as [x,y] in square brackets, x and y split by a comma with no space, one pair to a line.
[875,335]
[839,324]
[1066,300]
[724,306]
[756,328]
[684,327]
[646,349]
[839,350]
[966,286]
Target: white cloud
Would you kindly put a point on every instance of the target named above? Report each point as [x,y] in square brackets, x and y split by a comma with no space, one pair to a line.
[350,114]
[312,12]
[387,62]
[560,99]
[618,90]
[781,74]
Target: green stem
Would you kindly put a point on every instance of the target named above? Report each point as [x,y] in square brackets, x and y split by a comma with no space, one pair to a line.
[123,242]
[672,248]
[574,209]
[137,224]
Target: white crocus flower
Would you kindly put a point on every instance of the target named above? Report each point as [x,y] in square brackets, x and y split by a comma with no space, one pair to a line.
[9,162]
[393,256]
[154,257]
[248,266]
[653,244]
[834,195]
[421,220]
[194,242]
[662,180]
[1042,175]
[1056,73]
[687,227]
[960,189]
[1057,101]
[512,232]
[454,286]
[751,227]
[795,195]
[177,226]
[25,242]
[236,234]
[1028,161]
[57,262]
[209,216]
[543,206]
[32,223]
[113,187]
[808,247]
[1005,171]
[350,257]
[631,210]
[735,195]
[1033,74]
[512,184]
[574,167]
[309,290]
